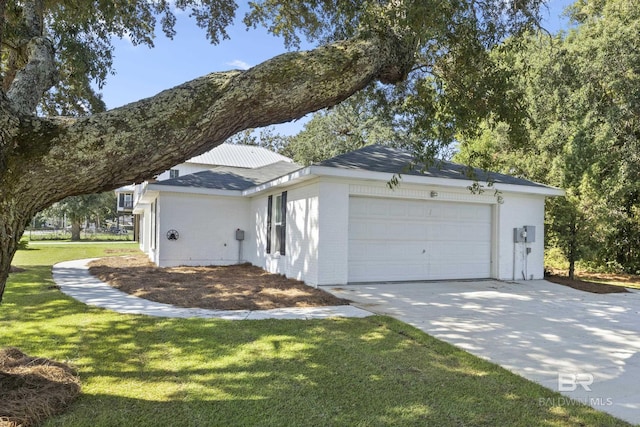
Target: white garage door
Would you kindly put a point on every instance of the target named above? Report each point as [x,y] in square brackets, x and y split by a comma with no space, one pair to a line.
[396,240]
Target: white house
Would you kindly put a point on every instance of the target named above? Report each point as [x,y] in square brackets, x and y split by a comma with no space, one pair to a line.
[338,221]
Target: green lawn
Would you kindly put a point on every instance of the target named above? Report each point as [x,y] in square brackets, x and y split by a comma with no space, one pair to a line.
[144,371]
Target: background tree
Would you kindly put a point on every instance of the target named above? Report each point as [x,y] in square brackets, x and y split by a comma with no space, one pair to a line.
[51,50]
[79,209]
[348,126]
[580,97]
[265,137]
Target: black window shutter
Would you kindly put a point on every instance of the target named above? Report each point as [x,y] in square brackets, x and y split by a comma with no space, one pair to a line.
[269,209]
[283,228]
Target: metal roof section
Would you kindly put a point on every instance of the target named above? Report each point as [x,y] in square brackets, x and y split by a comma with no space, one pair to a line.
[239,156]
[229,178]
[380,158]
[126,189]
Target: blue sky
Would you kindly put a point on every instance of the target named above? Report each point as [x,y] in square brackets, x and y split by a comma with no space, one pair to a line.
[142,72]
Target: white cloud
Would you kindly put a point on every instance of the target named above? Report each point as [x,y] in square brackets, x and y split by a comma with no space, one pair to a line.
[239,64]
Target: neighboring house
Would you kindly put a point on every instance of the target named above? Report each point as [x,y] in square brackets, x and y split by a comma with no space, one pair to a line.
[124,196]
[124,211]
[234,155]
[338,221]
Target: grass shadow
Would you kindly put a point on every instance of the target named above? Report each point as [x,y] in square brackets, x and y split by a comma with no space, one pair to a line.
[373,371]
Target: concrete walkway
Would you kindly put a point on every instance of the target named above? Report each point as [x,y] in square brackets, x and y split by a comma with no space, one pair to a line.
[587,346]
[74,279]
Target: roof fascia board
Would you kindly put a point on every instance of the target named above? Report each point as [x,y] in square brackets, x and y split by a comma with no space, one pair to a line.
[542,191]
[313,171]
[295,176]
[443,182]
[193,190]
[146,197]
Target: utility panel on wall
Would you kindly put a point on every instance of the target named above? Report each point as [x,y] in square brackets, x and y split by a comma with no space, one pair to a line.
[526,234]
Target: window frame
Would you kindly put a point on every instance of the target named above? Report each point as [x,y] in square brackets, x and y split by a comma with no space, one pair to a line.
[277,223]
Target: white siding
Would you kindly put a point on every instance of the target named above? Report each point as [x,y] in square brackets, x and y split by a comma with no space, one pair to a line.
[145,228]
[303,233]
[516,211]
[301,257]
[206,225]
[333,265]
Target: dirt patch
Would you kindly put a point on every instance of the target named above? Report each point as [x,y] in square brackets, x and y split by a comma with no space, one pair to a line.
[33,388]
[582,285]
[235,287]
[13,269]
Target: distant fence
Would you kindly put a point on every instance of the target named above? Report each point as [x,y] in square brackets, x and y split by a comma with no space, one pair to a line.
[113,233]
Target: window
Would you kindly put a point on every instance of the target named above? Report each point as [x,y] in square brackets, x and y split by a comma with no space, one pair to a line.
[276,223]
[174,173]
[125,201]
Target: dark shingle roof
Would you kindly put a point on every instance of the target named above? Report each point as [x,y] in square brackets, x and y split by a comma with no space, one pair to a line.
[375,158]
[232,178]
[380,158]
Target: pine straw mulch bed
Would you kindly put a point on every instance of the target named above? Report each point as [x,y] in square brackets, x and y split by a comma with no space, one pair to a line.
[33,388]
[583,285]
[234,287]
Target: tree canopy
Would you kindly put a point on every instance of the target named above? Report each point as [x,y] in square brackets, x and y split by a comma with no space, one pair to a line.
[580,99]
[56,141]
[77,209]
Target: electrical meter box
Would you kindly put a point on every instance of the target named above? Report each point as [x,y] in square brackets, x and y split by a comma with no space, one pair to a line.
[530,233]
[239,234]
[526,234]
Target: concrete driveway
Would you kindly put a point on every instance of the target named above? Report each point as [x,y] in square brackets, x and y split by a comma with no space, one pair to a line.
[587,346]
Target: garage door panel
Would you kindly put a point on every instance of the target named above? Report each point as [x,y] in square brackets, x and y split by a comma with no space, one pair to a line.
[375,251]
[391,271]
[391,230]
[395,240]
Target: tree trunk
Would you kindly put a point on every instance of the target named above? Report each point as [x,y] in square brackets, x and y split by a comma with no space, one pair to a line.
[44,160]
[12,225]
[75,230]
[573,250]
[572,268]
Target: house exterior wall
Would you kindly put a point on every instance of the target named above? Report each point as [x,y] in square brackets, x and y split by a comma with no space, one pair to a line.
[206,226]
[508,260]
[333,240]
[513,262]
[317,228]
[302,234]
[154,219]
[145,229]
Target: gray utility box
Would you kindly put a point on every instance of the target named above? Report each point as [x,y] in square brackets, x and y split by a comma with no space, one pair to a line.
[239,234]
[526,234]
